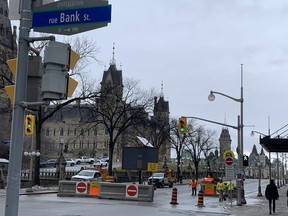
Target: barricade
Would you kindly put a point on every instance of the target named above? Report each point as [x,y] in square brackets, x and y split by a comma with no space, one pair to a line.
[200,199]
[107,190]
[174,197]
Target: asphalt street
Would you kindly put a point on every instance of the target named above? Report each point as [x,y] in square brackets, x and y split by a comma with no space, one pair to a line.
[47,204]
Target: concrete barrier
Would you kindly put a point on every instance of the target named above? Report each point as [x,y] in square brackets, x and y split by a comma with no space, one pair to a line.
[107,190]
[119,191]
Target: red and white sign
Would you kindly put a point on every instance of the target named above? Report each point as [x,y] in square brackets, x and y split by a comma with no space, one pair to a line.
[132,191]
[81,188]
[229,161]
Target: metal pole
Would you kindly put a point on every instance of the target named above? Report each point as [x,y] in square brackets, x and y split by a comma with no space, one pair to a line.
[238,183]
[15,159]
[277,167]
[259,181]
[243,201]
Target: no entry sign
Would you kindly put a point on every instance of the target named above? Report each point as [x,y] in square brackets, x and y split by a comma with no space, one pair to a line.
[229,161]
[132,191]
[81,188]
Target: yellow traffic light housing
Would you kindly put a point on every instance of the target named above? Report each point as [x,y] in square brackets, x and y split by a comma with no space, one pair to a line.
[182,125]
[29,124]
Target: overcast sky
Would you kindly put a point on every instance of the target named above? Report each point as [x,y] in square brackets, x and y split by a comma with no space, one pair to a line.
[195,46]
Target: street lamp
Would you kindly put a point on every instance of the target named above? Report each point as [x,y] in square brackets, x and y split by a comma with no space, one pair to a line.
[211,97]
[253,134]
[259,179]
[31,154]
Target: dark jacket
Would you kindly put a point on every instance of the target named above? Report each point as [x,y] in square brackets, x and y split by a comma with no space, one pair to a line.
[271,191]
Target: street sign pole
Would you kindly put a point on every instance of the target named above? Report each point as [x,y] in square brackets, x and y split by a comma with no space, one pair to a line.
[15,158]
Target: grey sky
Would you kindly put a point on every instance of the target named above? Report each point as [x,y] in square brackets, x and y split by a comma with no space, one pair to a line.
[195,46]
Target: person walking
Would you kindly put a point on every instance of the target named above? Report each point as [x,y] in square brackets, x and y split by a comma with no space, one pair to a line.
[271,193]
[193,184]
[230,188]
[220,188]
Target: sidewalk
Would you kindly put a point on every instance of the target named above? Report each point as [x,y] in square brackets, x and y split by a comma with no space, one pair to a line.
[259,206]
[35,190]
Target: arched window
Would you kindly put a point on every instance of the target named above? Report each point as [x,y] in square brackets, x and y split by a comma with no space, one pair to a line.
[61,132]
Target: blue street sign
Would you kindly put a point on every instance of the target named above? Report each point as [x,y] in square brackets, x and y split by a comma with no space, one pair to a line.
[65,18]
[6,142]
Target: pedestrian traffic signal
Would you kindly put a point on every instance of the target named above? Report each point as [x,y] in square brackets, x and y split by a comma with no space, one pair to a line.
[29,124]
[245,160]
[182,125]
[59,58]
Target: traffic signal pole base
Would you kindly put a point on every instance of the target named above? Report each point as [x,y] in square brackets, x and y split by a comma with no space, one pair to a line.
[243,200]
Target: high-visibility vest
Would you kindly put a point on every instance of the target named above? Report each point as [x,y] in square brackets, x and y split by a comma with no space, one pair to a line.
[220,186]
[230,185]
[193,184]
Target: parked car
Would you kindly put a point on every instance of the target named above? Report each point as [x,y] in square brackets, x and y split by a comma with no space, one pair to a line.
[104,158]
[48,163]
[70,162]
[87,175]
[160,180]
[100,163]
[84,159]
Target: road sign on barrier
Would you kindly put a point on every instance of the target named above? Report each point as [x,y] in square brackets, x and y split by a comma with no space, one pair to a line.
[81,188]
[68,18]
[132,191]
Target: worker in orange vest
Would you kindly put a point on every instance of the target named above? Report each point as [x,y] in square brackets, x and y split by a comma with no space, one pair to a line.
[193,184]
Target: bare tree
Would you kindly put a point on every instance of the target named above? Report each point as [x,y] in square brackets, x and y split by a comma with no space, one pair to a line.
[120,113]
[198,142]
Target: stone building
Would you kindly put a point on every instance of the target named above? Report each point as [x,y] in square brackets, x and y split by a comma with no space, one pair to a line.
[8,50]
[75,125]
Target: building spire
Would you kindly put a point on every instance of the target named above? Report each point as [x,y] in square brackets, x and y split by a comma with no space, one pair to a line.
[113,61]
[162,92]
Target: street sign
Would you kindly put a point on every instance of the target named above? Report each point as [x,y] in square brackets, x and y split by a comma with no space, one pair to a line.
[153,167]
[81,187]
[229,161]
[71,17]
[7,142]
[132,191]
[229,174]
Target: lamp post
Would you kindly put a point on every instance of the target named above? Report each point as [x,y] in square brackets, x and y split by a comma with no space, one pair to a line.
[259,179]
[31,154]
[211,97]
[252,134]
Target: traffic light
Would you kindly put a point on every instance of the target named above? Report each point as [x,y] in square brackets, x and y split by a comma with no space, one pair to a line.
[245,160]
[29,124]
[182,125]
[58,60]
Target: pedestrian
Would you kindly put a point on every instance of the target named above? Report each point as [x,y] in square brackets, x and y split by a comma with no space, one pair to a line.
[230,188]
[193,184]
[287,197]
[271,193]
[220,189]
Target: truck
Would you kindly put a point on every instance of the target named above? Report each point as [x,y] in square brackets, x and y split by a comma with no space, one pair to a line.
[84,159]
[161,179]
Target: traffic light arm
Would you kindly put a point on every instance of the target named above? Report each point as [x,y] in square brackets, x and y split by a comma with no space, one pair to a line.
[192,117]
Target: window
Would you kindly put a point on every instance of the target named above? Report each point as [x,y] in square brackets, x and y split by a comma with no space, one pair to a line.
[75,132]
[68,131]
[82,132]
[47,132]
[54,132]
[95,132]
[61,132]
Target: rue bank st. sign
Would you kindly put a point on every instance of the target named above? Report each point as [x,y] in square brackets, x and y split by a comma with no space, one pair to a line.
[71,17]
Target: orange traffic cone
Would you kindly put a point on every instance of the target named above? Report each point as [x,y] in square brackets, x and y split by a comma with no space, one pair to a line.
[174,197]
[200,199]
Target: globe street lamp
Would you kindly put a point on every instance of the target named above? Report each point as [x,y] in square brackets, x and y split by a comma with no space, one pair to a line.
[259,179]
[31,154]
[211,97]
[252,134]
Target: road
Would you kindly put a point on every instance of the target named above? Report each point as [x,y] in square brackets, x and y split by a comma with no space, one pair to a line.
[50,204]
